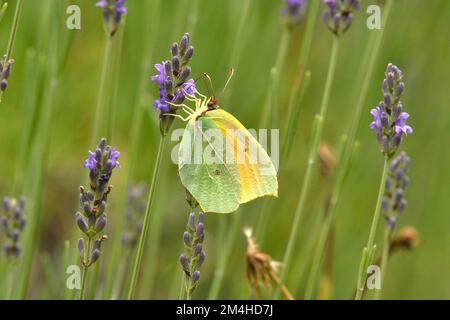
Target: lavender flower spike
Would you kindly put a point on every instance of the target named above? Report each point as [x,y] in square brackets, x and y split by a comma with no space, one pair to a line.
[339,15]
[293,11]
[397,181]
[112,14]
[134,215]
[389,119]
[92,218]
[173,83]
[13,223]
[194,257]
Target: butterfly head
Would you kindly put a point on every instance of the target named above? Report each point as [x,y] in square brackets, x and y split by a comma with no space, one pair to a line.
[213,103]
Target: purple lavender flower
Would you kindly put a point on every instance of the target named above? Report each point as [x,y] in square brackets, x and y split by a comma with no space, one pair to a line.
[173,83]
[339,15]
[397,181]
[92,218]
[5,71]
[293,11]
[13,223]
[194,257]
[112,14]
[389,119]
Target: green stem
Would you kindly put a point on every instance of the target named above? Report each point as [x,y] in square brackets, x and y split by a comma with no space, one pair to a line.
[100,109]
[237,46]
[367,67]
[282,50]
[33,69]
[85,269]
[12,35]
[367,259]
[146,223]
[317,261]
[317,135]
[384,259]
[112,105]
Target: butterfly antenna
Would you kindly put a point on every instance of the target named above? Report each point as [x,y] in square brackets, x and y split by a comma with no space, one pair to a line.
[228,81]
[209,84]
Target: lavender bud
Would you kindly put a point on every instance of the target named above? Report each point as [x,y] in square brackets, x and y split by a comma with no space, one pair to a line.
[81,246]
[387,99]
[197,250]
[15,235]
[188,55]
[200,230]
[184,74]
[384,120]
[184,43]
[399,90]
[201,218]
[191,221]
[168,67]
[176,64]
[101,223]
[168,85]
[87,208]
[187,239]
[6,203]
[388,185]
[95,255]
[402,206]
[195,276]
[3,84]
[201,259]
[174,49]
[81,222]
[184,262]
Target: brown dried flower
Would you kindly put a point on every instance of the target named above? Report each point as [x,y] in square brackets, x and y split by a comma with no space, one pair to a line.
[261,268]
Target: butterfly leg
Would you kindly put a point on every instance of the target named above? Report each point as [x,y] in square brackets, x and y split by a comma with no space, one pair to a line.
[178,116]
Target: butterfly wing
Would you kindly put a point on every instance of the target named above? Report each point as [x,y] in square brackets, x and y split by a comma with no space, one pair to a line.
[257,175]
[214,184]
[223,165]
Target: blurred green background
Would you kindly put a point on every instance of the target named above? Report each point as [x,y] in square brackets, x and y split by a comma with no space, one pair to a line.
[416,39]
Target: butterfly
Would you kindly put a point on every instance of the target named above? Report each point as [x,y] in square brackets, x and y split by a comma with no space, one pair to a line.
[220,163]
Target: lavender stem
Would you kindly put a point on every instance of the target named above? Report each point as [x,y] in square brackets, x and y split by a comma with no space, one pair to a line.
[146,223]
[365,259]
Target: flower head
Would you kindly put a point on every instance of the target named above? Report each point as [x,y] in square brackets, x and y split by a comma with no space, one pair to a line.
[339,15]
[389,119]
[394,202]
[13,223]
[192,260]
[293,11]
[134,214]
[172,80]
[91,220]
[112,13]
[261,268]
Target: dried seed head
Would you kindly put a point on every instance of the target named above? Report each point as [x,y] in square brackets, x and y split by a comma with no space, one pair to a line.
[261,268]
[327,159]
